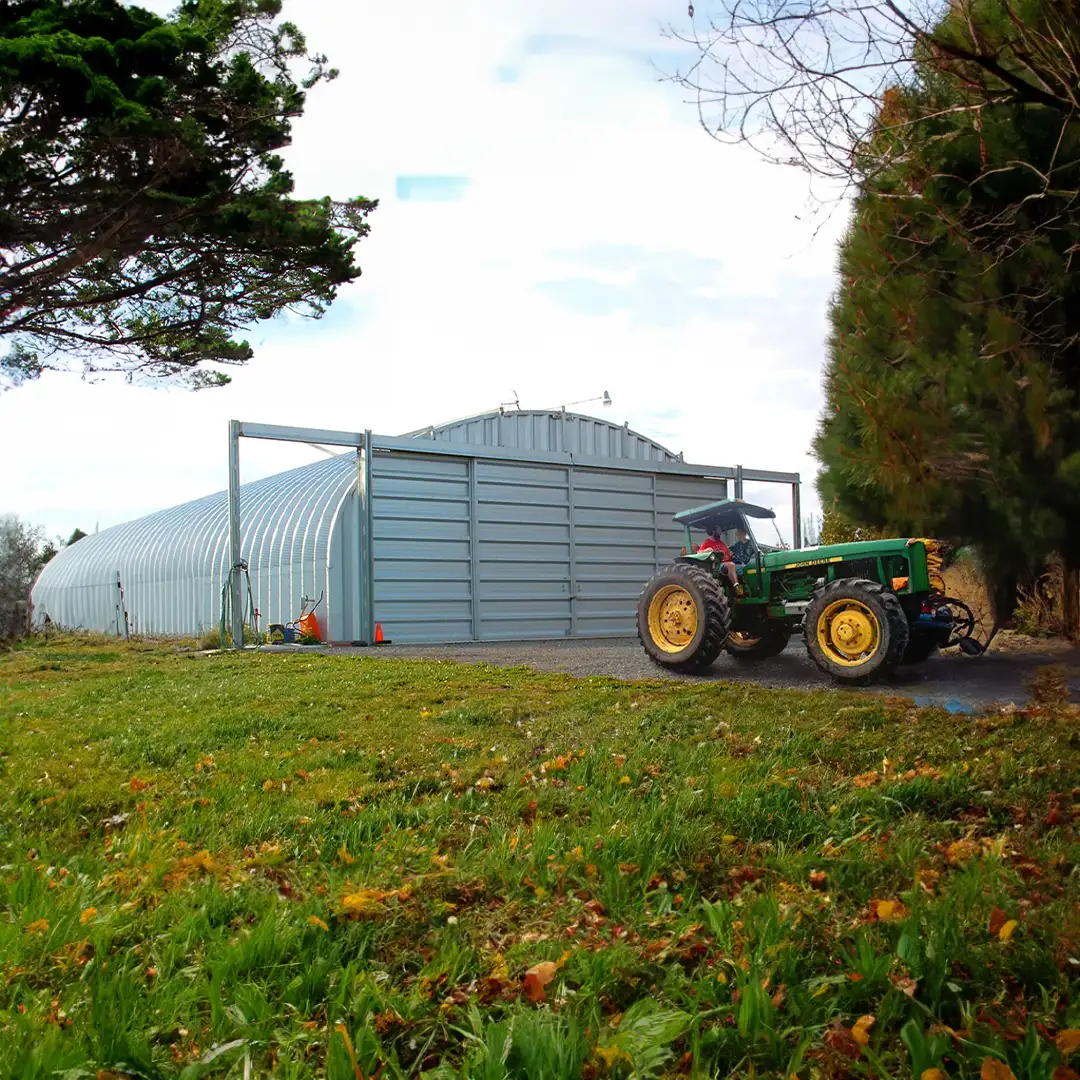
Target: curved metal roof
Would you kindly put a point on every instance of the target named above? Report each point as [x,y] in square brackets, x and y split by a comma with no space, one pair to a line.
[550,430]
[172,565]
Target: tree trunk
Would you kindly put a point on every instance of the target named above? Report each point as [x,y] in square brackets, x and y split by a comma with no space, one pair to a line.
[1070,598]
[1002,590]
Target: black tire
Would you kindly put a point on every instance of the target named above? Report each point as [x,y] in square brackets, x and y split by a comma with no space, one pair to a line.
[772,642]
[920,647]
[711,618]
[888,630]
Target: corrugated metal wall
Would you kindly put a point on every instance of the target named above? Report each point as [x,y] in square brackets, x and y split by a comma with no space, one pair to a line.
[477,548]
[172,564]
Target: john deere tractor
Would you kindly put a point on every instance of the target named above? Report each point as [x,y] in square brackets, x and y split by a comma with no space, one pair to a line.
[863,608]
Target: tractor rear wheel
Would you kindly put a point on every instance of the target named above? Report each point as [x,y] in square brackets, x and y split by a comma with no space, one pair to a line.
[855,630]
[744,645]
[683,617]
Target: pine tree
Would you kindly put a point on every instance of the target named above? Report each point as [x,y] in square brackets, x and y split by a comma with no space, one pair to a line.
[146,215]
[953,380]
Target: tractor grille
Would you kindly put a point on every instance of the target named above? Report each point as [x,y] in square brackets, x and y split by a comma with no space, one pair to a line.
[857,568]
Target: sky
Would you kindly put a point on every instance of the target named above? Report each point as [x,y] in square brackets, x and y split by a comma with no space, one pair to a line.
[553,223]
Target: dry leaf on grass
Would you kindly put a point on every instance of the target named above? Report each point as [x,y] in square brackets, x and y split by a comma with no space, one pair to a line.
[1068,1041]
[860,1031]
[839,1039]
[996,1069]
[887,911]
[960,851]
[537,977]
[366,903]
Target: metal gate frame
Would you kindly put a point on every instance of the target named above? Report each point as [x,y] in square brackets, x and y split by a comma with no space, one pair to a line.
[366,445]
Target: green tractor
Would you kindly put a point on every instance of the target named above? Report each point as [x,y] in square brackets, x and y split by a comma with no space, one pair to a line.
[863,608]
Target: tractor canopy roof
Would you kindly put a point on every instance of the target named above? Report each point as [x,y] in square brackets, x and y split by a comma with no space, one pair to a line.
[727,514]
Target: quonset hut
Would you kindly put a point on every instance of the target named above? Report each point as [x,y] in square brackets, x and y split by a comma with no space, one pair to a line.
[507,525]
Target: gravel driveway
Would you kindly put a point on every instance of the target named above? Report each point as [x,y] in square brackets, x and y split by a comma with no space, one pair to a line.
[960,683]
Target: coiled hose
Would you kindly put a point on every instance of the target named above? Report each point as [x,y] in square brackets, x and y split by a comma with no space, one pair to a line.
[250,615]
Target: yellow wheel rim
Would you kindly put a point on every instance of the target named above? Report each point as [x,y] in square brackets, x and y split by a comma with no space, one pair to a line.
[673,618]
[743,639]
[849,633]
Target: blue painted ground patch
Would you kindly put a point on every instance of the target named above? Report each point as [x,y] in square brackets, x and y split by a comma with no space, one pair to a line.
[951,705]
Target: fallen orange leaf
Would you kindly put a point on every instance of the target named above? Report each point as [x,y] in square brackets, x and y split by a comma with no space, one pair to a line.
[959,851]
[933,1074]
[1006,931]
[87,915]
[997,921]
[135,784]
[887,910]
[996,1069]
[1063,1072]
[928,879]
[37,926]
[537,977]
[1068,1041]
[314,920]
[860,1031]
[364,902]
[499,970]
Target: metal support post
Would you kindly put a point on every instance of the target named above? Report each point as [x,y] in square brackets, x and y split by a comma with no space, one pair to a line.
[235,579]
[738,481]
[367,553]
[796,513]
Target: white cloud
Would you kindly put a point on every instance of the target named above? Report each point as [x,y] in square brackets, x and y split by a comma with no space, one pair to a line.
[585,151]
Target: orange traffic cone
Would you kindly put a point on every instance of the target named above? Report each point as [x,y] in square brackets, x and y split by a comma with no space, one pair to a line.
[379,639]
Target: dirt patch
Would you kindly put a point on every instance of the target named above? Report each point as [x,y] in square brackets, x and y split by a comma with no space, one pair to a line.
[964,582]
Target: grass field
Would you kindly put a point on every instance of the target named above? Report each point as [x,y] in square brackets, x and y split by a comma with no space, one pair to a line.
[316,866]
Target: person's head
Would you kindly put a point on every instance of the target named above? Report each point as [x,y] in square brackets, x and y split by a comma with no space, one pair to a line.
[717,532]
[742,534]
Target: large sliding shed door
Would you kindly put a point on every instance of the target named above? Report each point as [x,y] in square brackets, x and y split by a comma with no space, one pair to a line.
[523,537]
[421,548]
[477,548]
[623,533]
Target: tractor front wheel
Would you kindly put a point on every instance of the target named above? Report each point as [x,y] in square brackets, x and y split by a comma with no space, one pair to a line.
[683,617]
[744,645]
[855,630]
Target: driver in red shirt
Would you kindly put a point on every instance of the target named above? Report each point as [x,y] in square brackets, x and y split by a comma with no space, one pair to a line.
[713,542]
